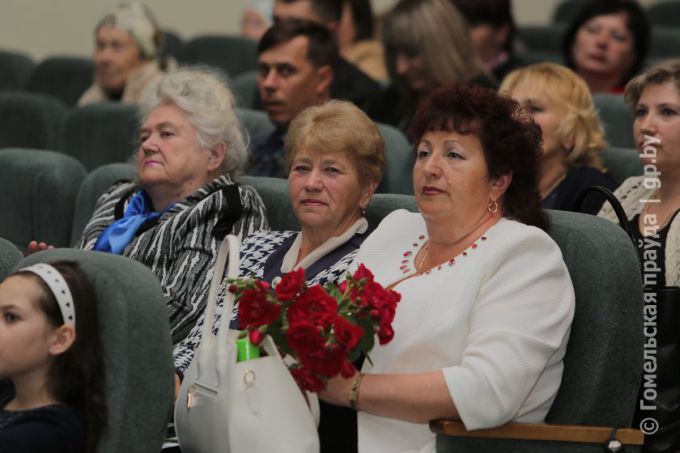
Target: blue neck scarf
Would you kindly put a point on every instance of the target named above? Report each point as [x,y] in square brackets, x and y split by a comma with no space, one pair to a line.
[119,234]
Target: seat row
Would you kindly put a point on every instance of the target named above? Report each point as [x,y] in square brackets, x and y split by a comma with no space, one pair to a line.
[49,196]
[104,133]
[599,384]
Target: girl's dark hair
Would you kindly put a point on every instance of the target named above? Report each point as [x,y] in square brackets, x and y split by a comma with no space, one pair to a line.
[637,23]
[362,15]
[76,377]
[510,139]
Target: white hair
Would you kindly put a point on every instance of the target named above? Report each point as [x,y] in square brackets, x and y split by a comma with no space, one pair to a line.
[209,104]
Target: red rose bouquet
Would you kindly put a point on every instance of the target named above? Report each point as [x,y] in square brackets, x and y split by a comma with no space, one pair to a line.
[324,329]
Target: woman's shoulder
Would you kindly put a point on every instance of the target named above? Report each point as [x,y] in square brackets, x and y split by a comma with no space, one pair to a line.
[629,194]
[258,246]
[398,222]
[511,237]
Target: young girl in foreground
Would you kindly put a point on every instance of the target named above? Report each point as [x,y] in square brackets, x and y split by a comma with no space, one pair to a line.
[51,371]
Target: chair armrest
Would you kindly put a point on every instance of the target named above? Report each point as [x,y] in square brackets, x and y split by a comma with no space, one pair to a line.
[535,431]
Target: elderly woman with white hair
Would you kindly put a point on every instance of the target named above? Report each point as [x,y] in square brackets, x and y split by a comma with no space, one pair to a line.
[128,43]
[184,200]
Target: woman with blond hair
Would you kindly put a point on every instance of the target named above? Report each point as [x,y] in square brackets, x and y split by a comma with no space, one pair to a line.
[561,104]
[427,45]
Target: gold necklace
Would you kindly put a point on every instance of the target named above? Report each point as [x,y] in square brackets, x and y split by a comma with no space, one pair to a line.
[425,257]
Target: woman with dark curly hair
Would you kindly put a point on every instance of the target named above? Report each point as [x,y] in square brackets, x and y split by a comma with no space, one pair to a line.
[487,302]
[607,43]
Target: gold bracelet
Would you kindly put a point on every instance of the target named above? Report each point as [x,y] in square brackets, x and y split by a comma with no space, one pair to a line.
[354,391]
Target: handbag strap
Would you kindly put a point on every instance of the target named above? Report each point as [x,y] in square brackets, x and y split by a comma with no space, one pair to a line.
[615,203]
[228,304]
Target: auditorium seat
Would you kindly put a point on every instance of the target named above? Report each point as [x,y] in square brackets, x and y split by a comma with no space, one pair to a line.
[244,87]
[664,42]
[621,163]
[566,10]
[93,186]
[542,38]
[15,68]
[255,122]
[172,43]
[664,13]
[603,362]
[37,195]
[399,159]
[136,347]
[30,120]
[9,257]
[616,118]
[100,133]
[66,78]
[231,54]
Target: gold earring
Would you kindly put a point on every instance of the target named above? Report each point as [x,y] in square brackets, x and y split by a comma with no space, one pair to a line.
[492,207]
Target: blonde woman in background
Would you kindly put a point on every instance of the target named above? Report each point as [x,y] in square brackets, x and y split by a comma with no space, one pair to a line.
[561,104]
[427,45]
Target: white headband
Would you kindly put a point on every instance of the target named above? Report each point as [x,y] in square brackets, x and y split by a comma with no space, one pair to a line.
[55,281]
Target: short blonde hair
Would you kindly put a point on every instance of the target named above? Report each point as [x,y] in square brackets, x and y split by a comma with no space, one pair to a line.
[581,123]
[339,126]
[665,71]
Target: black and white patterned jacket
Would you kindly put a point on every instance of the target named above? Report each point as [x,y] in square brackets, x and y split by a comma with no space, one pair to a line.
[180,246]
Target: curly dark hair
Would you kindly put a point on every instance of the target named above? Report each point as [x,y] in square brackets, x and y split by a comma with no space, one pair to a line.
[637,23]
[511,141]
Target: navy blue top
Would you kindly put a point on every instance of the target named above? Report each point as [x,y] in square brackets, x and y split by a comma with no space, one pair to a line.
[267,156]
[564,195]
[50,429]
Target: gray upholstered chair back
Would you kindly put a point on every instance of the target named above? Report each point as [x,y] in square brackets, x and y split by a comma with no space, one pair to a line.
[399,159]
[135,337]
[65,78]
[100,133]
[9,257]
[232,55]
[15,68]
[255,122]
[244,88]
[37,196]
[616,119]
[621,163]
[30,120]
[603,362]
[94,185]
[274,193]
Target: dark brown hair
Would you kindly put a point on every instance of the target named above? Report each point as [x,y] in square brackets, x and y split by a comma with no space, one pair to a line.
[322,49]
[511,141]
[76,376]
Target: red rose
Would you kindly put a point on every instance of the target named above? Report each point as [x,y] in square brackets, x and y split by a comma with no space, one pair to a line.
[308,380]
[326,362]
[290,284]
[347,369]
[315,305]
[385,334]
[233,289]
[254,309]
[362,273]
[304,337]
[256,336]
[346,333]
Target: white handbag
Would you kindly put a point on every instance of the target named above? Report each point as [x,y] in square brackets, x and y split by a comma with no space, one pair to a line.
[253,406]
